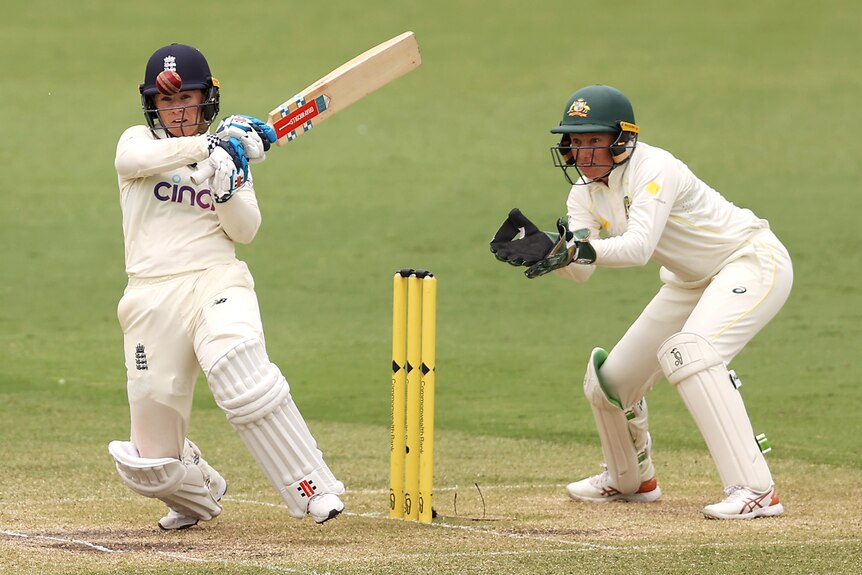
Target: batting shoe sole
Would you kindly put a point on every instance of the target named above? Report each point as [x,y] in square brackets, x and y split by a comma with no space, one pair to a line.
[743,503]
[598,489]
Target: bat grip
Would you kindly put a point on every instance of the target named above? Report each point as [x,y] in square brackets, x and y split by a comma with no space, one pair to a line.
[203,173]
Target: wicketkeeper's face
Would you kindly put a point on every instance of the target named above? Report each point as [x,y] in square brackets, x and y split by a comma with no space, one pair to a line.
[180,113]
[592,156]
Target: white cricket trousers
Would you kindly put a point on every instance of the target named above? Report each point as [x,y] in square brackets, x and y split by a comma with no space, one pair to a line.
[172,328]
[728,311]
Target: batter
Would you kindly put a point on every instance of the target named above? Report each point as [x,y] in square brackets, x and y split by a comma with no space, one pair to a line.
[190,305]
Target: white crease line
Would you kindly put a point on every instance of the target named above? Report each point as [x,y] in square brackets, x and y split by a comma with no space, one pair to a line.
[172,555]
[470,487]
[61,540]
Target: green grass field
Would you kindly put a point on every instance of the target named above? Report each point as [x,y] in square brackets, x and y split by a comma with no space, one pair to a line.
[759,98]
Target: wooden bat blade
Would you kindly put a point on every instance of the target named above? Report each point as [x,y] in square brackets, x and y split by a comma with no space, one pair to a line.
[348,83]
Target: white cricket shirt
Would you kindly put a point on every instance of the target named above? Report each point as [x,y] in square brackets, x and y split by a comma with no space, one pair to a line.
[655,208]
[171,225]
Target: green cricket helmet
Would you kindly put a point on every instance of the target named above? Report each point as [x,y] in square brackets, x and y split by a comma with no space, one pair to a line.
[596,109]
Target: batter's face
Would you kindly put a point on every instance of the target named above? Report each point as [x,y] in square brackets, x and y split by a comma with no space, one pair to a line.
[180,113]
[592,156]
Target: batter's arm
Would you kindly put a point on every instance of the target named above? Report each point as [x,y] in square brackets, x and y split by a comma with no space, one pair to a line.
[240,216]
[140,154]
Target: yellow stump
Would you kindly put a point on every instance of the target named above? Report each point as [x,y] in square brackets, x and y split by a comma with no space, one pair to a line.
[414,359]
[426,398]
[399,397]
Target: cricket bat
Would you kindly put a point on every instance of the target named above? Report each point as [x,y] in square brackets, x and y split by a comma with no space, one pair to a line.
[348,83]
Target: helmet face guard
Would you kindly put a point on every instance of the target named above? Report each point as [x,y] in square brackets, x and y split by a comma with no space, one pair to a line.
[595,109]
[194,72]
[565,155]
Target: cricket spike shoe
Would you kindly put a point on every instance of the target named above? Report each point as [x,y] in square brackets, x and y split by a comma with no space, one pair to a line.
[598,489]
[743,503]
[325,506]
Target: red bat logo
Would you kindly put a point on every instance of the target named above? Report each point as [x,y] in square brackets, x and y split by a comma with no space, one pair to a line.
[296,118]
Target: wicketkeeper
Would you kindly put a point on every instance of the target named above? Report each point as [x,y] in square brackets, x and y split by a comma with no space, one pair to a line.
[190,304]
[724,277]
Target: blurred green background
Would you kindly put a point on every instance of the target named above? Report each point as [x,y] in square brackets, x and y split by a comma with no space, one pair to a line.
[760,99]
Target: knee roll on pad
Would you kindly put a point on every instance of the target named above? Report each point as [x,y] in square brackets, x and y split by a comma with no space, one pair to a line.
[255,397]
[701,377]
[184,485]
[623,433]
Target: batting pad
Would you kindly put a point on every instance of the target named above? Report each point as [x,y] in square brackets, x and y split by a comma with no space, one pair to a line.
[256,399]
[183,485]
[691,364]
[623,433]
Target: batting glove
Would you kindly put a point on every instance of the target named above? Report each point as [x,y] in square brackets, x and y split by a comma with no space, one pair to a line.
[233,148]
[255,135]
[571,247]
[226,179]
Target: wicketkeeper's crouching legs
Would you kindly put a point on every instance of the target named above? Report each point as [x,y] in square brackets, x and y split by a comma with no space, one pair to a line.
[701,377]
[626,445]
[256,399]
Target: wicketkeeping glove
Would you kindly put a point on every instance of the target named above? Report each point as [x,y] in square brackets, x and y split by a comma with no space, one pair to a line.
[571,247]
[519,242]
[256,136]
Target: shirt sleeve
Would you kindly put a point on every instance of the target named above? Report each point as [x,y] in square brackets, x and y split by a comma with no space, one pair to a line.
[139,154]
[240,216]
[654,187]
[581,216]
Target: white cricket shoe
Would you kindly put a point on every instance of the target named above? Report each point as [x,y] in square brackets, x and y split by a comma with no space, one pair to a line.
[743,503]
[598,489]
[176,520]
[325,506]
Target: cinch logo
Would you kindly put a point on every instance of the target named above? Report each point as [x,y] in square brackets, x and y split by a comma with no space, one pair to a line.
[168,192]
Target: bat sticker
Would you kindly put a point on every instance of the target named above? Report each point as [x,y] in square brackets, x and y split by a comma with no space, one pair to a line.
[299,114]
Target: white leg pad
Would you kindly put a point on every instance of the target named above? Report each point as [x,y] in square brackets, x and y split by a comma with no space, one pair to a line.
[622,432]
[692,364]
[255,397]
[183,485]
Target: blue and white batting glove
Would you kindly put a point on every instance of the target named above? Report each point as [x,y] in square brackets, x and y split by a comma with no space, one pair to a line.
[234,150]
[226,178]
[255,135]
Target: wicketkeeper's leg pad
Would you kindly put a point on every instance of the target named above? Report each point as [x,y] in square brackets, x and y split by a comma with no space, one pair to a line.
[622,431]
[255,397]
[701,377]
[184,485]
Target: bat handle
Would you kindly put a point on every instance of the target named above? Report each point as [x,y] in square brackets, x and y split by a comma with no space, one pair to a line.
[203,173]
